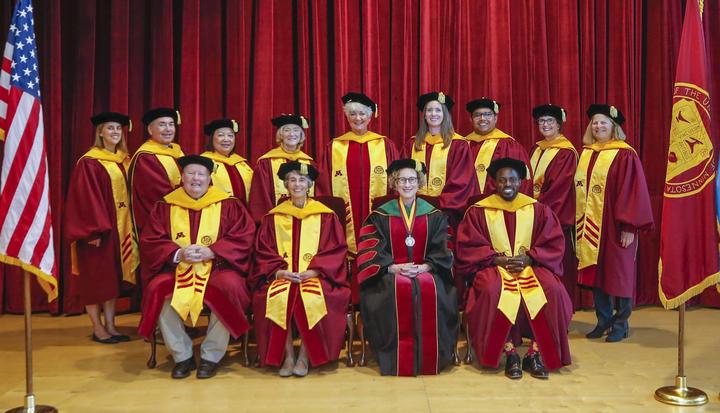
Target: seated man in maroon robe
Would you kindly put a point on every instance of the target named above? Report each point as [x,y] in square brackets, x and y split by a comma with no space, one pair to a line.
[196,245]
[511,248]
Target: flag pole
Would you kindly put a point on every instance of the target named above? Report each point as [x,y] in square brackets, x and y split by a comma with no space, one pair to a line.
[680,394]
[30,406]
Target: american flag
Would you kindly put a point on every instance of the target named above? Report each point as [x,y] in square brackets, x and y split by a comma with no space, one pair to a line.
[26,236]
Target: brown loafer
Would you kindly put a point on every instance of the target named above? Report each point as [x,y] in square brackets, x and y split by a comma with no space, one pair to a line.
[513,370]
[207,369]
[183,368]
[534,366]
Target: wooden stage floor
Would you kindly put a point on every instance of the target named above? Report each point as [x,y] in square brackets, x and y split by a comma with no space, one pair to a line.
[75,374]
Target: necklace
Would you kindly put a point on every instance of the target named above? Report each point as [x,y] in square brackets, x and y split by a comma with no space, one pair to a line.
[409,221]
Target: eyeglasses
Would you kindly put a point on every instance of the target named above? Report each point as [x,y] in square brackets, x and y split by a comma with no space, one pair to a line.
[412,180]
[548,121]
[484,115]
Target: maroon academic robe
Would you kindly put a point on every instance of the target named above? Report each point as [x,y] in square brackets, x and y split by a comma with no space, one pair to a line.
[227,293]
[148,184]
[558,193]
[489,327]
[506,148]
[459,178]
[358,176]
[90,214]
[325,340]
[262,190]
[626,208]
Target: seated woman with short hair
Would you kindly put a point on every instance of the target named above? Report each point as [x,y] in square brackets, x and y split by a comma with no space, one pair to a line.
[300,278]
[407,297]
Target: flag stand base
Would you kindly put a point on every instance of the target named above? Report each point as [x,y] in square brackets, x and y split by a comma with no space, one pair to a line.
[680,394]
[30,407]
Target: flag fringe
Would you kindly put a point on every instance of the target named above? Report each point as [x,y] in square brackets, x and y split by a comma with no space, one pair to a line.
[46,281]
[691,292]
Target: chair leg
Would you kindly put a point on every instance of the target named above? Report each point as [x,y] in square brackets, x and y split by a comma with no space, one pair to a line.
[152,361]
[456,353]
[469,351]
[349,320]
[246,341]
[361,334]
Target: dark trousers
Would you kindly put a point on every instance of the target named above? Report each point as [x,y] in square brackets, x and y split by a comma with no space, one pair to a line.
[604,310]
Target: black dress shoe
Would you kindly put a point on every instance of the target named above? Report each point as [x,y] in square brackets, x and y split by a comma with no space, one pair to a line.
[534,366]
[512,367]
[616,335]
[109,340]
[121,338]
[599,330]
[183,368]
[207,369]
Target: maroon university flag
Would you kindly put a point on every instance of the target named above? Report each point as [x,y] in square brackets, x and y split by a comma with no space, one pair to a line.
[689,235]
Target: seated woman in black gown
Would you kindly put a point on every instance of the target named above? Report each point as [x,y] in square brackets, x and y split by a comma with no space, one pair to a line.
[407,298]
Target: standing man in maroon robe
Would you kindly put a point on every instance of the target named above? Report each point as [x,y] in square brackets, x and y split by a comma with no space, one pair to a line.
[196,246]
[153,169]
[511,247]
[488,143]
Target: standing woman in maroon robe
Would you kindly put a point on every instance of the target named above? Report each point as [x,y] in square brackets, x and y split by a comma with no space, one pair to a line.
[353,168]
[553,161]
[300,278]
[407,297]
[232,172]
[451,173]
[612,205]
[266,188]
[97,220]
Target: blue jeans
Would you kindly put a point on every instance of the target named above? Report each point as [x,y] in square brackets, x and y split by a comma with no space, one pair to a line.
[604,310]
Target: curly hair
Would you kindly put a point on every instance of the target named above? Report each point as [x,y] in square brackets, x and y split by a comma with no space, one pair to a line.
[393,179]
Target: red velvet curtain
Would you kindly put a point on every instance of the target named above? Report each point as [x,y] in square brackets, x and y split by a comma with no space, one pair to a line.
[252,60]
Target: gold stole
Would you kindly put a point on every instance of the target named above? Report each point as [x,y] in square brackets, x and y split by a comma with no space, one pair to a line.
[378,177]
[589,204]
[437,170]
[311,291]
[526,286]
[279,156]
[191,279]
[221,178]
[129,254]
[166,155]
[543,155]
[488,143]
